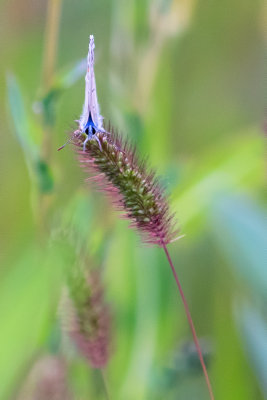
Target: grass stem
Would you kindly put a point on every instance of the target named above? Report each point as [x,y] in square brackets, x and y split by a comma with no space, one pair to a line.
[49,62]
[48,70]
[104,380]
[190,321]
[51,41]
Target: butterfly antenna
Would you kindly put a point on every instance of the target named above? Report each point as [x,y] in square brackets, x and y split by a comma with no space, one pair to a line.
[67,142]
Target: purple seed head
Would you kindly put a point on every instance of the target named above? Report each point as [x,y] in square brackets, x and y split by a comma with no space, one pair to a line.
[86,317]
[134,189]
[47,380]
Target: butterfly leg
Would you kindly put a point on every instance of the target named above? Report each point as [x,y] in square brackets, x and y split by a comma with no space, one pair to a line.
[84,143]
[97,139]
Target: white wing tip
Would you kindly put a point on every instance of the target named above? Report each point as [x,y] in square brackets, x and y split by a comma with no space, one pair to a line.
[91,43]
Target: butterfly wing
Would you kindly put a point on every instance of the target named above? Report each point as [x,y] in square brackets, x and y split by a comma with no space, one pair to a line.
[90,102]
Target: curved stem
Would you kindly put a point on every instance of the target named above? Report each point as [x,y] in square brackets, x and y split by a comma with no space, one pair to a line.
[105,386]
[190,321]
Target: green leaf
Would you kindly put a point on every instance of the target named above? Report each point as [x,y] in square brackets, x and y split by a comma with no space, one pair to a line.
[229,167]
[49,106]
[44,176]
[253,330]
[29,295]
[68,76]
[19,116]
[240,228]
[39,170]
[77,220]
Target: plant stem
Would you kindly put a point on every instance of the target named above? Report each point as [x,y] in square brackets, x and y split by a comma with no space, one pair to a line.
[104,380]
[51,41]
[190,321]
[43,201]
[49,61]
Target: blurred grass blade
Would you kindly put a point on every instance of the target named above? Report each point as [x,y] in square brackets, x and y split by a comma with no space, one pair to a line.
[19,116]
[253,330]
[48,104]
[44,176]
[64,79]
[240,229]
[29,294]
[237,165]
[78,218]
[68,76]
[146,329]
[39,170]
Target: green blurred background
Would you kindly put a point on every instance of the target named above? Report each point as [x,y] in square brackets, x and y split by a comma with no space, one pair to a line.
[183,79]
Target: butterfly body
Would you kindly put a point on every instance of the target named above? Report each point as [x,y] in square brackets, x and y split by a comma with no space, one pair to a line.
[90,128]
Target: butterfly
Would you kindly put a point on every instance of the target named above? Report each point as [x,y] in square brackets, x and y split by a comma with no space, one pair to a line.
[90,121]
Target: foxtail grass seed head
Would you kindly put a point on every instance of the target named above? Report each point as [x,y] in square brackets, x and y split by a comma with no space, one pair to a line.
[86,318]
[117,169]
[134,189]
[47,380]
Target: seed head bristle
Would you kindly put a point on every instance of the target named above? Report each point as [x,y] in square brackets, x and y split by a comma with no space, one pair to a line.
[134,188]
